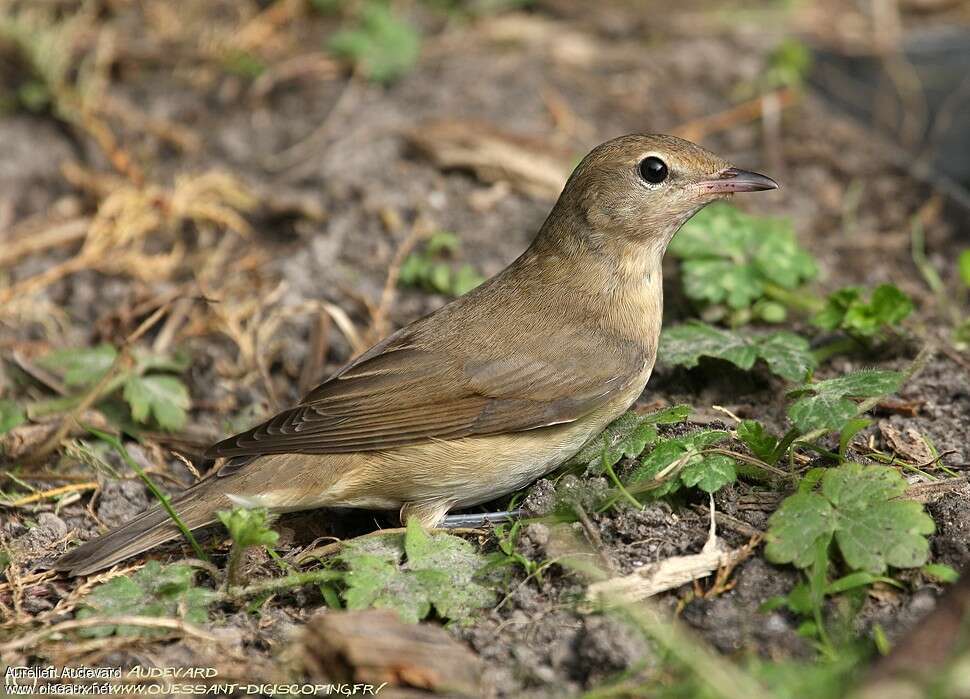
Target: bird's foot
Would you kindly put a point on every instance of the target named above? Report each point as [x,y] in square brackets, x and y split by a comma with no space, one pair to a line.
[478,519]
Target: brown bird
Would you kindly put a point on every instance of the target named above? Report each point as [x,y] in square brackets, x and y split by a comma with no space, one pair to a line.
[489,392]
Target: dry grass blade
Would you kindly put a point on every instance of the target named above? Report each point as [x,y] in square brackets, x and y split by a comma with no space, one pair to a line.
[52,493]
[669,573]
[148,622]
[130,216]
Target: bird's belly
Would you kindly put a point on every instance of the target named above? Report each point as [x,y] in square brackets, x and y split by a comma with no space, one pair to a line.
[471,470]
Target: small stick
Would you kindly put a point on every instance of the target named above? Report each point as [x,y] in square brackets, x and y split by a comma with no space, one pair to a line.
[52,493]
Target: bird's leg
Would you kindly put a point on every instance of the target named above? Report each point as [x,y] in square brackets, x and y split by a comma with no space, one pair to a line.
[478,519]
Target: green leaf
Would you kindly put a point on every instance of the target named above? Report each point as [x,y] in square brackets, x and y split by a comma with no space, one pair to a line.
[11,415]
[248,527]
[164,397]
[846,310]
[447,566]
[786,354]
[795,528]
[382,46]
[866,383]
[822,412]
[439,574]
[710,473]
[963,265]
[465,279]
[941,572]
[858,579]
[155,590]
[731,257]
[424,268]
[858,506]
[683,459]
[628,436]
[81,366]
[761,442]
[827,405]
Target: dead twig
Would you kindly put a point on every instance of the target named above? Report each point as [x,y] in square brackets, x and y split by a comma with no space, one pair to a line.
[52,493]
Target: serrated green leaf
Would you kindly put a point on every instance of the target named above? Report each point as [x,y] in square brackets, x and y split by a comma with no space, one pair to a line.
[164,397]
[82,366]
[836,305]
[788,355]
[439,573]
[628,435]
[155,590]
[248,527]
[761,442]
[730,257]
[11,415]
[796,527]
[867,383]
[823,412]
[685,344]
[859,505]
[710,473]
[845,309]
[828,406]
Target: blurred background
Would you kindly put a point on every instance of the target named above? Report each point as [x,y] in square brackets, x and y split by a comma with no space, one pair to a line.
[251,192]
[280,156]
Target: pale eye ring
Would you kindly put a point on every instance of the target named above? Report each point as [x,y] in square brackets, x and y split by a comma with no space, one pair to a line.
[653,170]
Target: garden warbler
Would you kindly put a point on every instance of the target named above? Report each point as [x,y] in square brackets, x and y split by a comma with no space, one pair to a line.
[489,392]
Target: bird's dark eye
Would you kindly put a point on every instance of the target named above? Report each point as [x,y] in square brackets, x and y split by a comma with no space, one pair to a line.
[653,170]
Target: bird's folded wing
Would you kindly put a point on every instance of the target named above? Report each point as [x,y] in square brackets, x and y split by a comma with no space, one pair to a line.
[398,394]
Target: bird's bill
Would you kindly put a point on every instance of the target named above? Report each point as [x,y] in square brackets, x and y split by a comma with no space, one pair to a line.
[734,180]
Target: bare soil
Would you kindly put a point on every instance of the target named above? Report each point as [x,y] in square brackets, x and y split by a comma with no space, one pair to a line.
[340,187]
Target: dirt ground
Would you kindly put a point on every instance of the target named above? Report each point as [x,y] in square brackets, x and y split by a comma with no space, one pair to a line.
[339,184]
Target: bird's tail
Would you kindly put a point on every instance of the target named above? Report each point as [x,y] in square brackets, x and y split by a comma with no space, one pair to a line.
[149,529]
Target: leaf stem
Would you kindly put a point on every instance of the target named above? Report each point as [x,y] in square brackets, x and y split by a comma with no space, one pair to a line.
[802,300]
[619,486]
[843,345]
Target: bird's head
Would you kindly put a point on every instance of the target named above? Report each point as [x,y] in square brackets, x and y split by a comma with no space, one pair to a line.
[641,188]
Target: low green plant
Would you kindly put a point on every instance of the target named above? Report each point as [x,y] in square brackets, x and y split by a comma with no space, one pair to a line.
[381,45]
[428,268]
[149,385]
[788,65]
[247,528]
[785,354]
[828,405]
[740,267]
[857,511]
[11,415]
[153,591]
[415,573]
[628,436]
[847,310]
[687,461]
[506,536]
